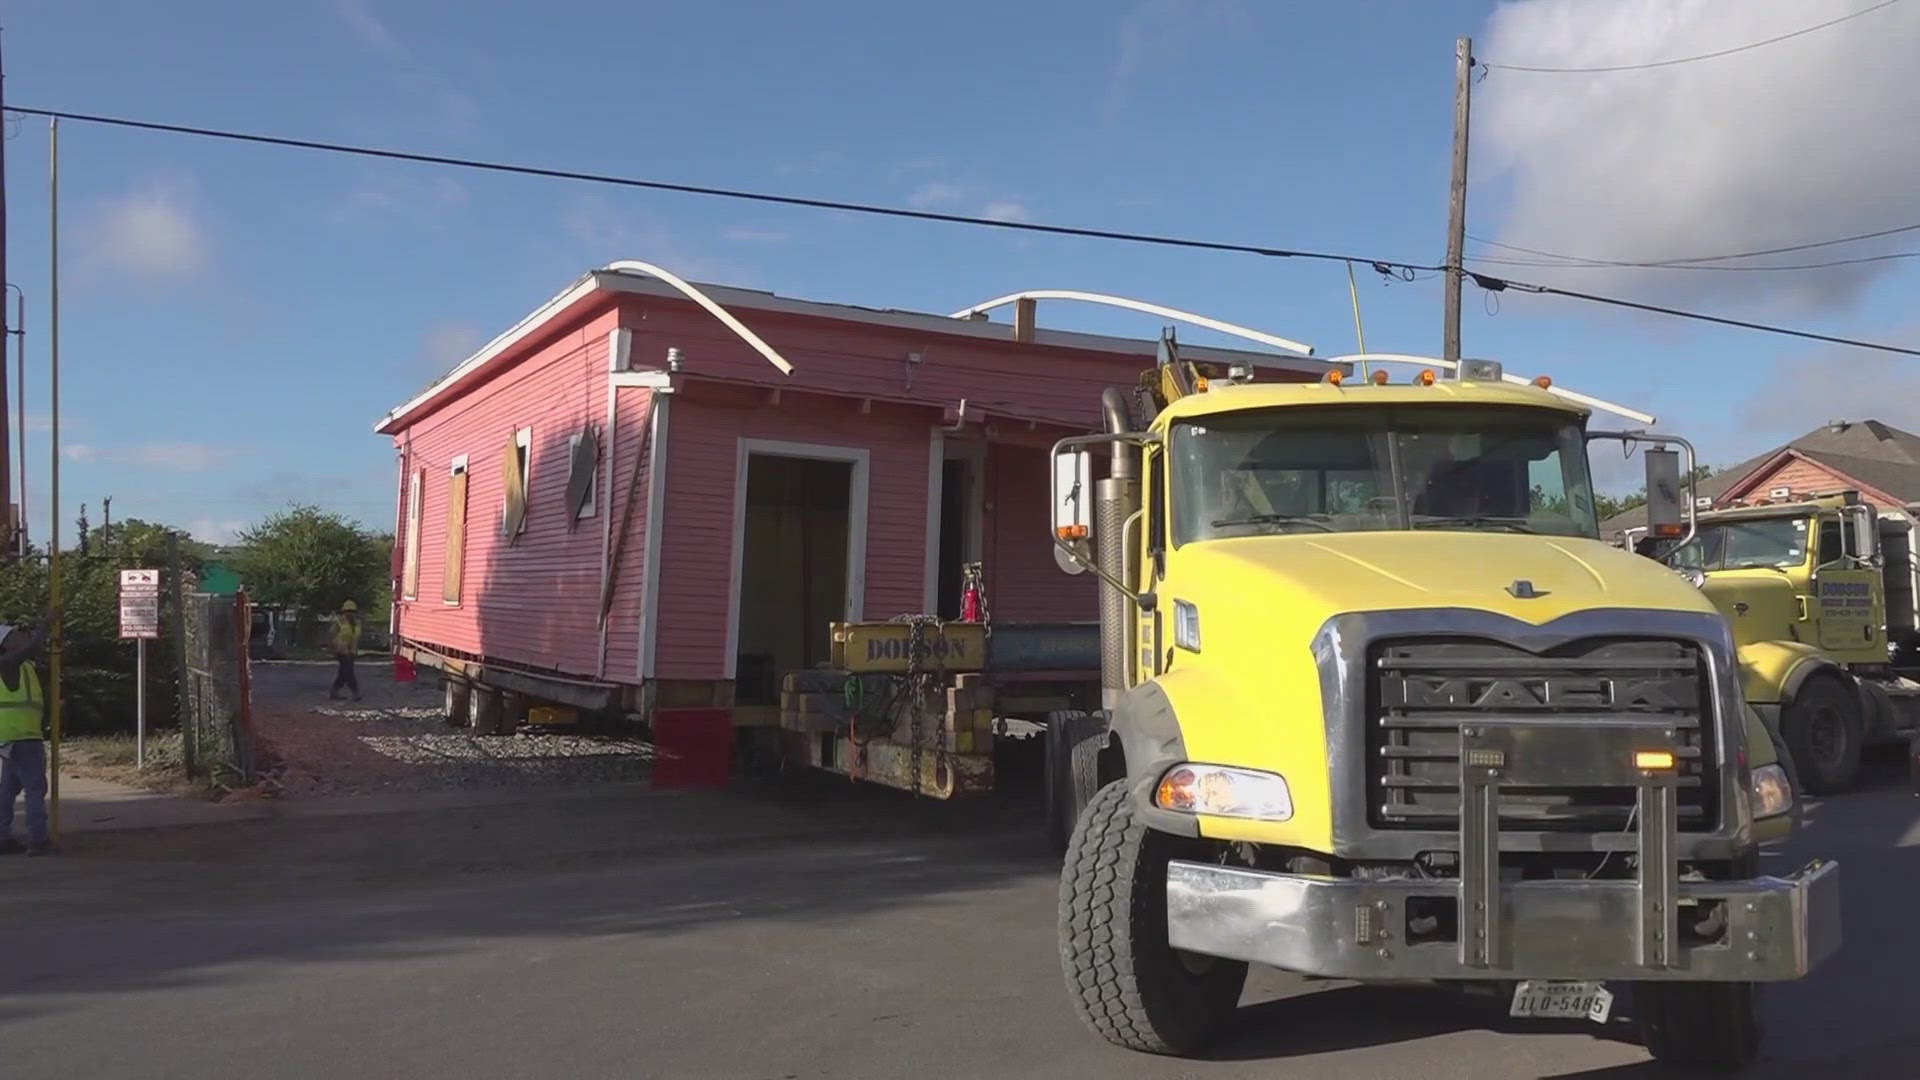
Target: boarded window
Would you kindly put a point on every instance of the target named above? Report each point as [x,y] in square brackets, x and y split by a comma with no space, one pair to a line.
[514,470]
[410,576]
[583,474]
[456,531]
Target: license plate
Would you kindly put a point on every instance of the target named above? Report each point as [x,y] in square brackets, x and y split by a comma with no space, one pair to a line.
[1554,1000]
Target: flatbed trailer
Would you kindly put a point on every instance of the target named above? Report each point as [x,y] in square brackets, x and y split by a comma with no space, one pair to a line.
[922,705]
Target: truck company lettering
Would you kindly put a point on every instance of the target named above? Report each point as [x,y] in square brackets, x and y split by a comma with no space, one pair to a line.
[900,649]
[1846,595]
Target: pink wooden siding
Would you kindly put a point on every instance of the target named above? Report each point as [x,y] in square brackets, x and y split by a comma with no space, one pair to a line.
[697,557]
[1023,581]
[533,601]
[1804,476]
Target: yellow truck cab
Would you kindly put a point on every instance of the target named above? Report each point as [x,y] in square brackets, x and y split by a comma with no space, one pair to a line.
[1379,704]
[1819,590]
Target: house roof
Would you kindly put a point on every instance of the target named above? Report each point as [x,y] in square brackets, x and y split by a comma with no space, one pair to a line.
[596,285]
[1871,453]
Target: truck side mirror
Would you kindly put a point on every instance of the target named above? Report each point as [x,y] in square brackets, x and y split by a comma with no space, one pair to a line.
[1072,497]
[1667,500]
[1866,532]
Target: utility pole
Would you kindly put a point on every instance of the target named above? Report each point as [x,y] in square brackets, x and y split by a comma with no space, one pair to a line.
[1457,204]
[6,467]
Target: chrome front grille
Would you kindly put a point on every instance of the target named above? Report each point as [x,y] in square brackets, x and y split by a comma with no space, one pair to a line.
[1422,691]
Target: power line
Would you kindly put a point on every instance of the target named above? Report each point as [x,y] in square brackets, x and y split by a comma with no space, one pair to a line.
[1691,59]
[1383,266]
[1498,284]
[1889,257]
[727,193]
[1700,258]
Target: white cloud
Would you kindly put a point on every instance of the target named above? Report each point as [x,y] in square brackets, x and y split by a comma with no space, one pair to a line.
[171,456]
[217,532]
[960,197]
[1795,142]
[1007,210]
[1835,383]
[1159,32]
[154,232]
[416,78]
[447,344]
[754,236]
[409,197]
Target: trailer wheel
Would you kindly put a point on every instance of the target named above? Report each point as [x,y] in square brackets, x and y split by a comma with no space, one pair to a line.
[1072,771]
[1823,729]
[1711,1026]
[1127,983]
[454,698]
[483,710]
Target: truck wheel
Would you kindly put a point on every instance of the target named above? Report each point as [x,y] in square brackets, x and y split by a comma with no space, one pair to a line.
[1824,731]
[1699,1025]
[1127,983]
[1072,771]
[483,710]
[453,695]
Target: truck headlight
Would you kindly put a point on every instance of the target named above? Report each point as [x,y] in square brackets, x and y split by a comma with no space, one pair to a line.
[1226,792]
[1772,792]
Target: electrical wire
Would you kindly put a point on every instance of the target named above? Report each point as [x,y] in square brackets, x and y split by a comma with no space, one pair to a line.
[1889,257]
[1386,267]
[1498,284]
[1876,234]
[728,193]
[1691,59]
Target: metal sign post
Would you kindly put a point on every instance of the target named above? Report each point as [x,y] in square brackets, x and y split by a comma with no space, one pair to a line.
[140,620]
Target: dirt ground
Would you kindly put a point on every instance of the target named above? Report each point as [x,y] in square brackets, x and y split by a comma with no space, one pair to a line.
[396,739]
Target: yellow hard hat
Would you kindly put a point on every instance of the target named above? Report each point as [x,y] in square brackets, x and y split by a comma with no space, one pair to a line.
[349,606]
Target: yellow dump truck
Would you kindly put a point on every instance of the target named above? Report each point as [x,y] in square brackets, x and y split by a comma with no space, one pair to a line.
[1819,590]
[1379,704]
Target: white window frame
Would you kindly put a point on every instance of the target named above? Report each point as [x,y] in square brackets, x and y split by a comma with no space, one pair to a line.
[522,439]
[415,479]
[591,509]
[455,468]
[860,459]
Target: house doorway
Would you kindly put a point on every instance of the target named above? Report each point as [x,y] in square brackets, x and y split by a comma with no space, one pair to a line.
[800,538]
[962,504]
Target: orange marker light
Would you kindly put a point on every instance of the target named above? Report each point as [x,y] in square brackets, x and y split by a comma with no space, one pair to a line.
[1542,382]
[1379,378]
[1334,378]
[1176,790]
[1071,532]
[1653,759]
[1425,378]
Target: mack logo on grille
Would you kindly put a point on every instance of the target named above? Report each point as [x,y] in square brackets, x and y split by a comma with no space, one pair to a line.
[1566,693]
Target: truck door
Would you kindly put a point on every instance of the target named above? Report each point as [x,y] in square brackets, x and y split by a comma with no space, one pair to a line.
[1845,587]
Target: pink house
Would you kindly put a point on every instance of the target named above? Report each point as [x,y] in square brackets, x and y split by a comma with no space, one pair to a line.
[623,503]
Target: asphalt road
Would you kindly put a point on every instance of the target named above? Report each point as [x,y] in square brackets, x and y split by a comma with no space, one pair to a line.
[844,934]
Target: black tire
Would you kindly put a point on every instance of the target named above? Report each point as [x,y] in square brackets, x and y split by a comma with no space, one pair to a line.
[1824,732]
[1072,771]
[454,700]
[1699,1026]
[1127,983]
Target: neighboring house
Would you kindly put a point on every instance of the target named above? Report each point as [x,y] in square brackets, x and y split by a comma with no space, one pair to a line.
[620,502]
[1878,460]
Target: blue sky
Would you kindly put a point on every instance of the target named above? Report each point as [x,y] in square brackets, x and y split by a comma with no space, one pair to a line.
[236,317]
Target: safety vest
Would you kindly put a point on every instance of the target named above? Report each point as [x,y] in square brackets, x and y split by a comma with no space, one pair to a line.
[346,635]
[20,707]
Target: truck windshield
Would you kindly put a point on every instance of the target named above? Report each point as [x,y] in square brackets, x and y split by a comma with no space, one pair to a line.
[1745,545]
[1350,469]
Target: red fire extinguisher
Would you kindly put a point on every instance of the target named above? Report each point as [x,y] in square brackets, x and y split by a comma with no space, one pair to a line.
[973,594]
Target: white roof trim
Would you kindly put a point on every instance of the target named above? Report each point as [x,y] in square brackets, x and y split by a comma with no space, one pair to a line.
[734,300]
[1130,304]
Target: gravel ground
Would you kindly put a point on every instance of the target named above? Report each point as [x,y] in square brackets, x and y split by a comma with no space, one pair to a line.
[395,739]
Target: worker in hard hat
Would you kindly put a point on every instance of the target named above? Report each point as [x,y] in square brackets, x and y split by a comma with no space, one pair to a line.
[346,644]
[23,750]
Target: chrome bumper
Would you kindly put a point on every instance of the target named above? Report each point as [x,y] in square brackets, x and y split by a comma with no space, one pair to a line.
[1777,928]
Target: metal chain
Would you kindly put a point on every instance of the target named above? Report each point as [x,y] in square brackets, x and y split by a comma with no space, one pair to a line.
[919,683]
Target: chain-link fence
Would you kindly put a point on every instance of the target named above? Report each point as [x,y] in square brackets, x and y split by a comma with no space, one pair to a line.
[216,693]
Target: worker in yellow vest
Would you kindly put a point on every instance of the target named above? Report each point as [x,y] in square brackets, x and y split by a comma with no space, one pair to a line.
[346,645]
[23,751]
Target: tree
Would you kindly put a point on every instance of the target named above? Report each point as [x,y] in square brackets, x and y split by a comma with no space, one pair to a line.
[309,558]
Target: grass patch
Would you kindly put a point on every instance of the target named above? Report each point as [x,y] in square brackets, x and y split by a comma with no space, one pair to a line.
[111,758]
